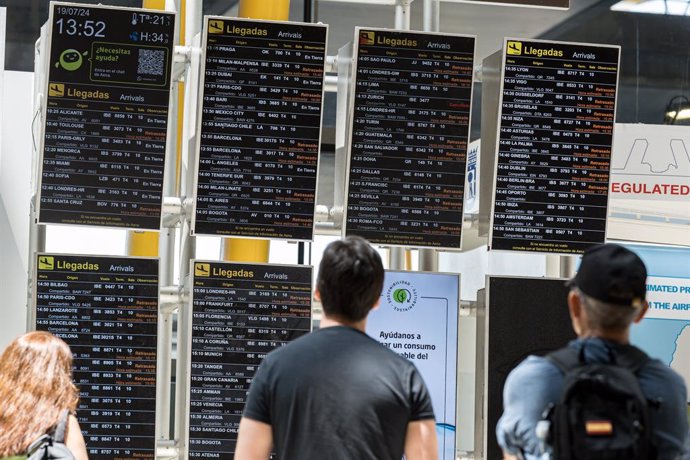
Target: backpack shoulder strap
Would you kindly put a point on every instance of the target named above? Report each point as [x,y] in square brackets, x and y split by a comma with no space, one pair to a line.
[568,358]
[61,427]
[565,359]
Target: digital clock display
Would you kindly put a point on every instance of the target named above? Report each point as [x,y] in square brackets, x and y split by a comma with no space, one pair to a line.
[87,28]
[97,29]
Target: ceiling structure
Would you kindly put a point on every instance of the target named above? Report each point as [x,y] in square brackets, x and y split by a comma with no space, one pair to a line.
[655,58]
[655,62]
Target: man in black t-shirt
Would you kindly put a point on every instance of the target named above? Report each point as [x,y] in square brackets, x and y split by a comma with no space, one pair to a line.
[337,393]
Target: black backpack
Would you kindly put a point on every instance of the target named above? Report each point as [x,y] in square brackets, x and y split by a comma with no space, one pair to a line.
[52,446]
[602,413]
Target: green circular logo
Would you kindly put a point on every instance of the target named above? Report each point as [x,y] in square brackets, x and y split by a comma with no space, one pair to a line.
[70,60]
[401,295]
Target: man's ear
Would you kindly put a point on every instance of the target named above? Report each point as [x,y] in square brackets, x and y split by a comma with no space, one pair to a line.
[575,310]
[376,305]
[317,295]
[643,311]
[574,305]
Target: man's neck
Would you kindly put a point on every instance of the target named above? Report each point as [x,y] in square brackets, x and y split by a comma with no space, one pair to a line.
[622,337]
[329,321]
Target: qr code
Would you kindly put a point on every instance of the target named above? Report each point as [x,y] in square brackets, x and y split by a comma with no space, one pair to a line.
[151,62]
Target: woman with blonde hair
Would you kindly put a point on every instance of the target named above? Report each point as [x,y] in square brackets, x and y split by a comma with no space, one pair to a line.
[35,389]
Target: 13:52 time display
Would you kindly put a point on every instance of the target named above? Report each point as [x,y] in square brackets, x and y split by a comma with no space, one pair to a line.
[87,28]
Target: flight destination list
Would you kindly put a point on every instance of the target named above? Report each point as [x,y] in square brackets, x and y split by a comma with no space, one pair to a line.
[106,116]
[260,128]
[106,309]
[554,147]
[240,312]
[411,114]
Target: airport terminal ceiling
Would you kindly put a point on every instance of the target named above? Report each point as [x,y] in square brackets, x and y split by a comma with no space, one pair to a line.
[655,59]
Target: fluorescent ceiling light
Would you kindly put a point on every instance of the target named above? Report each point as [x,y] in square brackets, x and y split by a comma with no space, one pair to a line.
[677,109]
[673,7]
[684,114]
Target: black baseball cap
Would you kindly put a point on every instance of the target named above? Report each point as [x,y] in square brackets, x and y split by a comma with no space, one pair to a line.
[613,274]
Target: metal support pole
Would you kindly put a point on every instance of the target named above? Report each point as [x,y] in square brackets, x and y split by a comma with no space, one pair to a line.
[37,233]
[560,266]
[396,258]
[193,22]
[428,260]
[402,14]
[193,18]
[431,15]
[436,16]
[427,15]
[331,65]
[553,266]
[166,254]
[162,244]
[567,266]
[37,244]
[40,238]
[330,83]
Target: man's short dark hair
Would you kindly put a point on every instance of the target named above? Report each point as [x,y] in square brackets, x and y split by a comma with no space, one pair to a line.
[350,278]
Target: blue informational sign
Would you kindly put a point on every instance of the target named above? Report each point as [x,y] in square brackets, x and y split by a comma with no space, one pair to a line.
[664,333]
[418,319]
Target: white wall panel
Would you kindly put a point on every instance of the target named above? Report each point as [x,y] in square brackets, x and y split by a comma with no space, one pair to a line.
[15,158]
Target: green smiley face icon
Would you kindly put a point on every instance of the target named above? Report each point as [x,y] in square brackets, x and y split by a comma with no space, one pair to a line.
[70,60]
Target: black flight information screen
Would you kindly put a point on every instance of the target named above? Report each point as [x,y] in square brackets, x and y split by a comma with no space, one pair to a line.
[106,116]
[106,309]
[240,312]
[410,125]
[554,146]
[260,128]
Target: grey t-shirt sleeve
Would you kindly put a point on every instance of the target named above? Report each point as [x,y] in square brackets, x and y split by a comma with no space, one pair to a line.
[421,408]
[257,406]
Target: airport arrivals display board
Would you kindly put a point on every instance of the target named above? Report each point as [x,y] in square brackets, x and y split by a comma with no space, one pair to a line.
[105,116]
[410,127]
[106,309]
[239,313]
[260,128]
[556,117]
[418,319]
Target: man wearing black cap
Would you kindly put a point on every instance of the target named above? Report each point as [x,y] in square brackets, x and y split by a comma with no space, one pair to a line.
[606,297]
